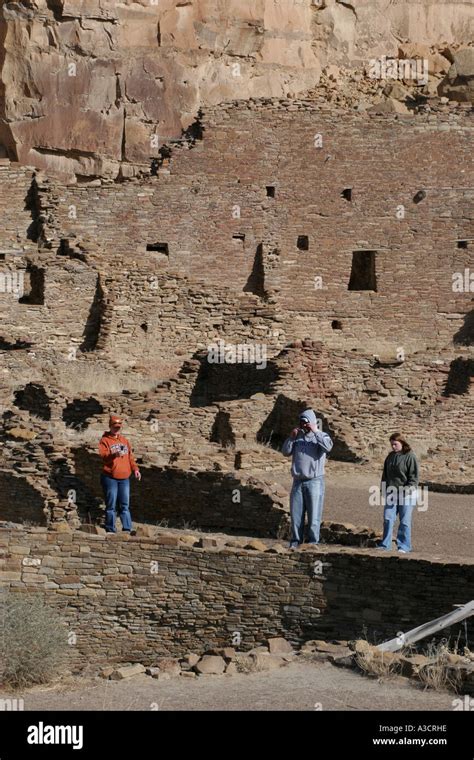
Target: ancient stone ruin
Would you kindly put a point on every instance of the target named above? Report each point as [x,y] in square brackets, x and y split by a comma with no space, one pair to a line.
[208,225]
[128,287]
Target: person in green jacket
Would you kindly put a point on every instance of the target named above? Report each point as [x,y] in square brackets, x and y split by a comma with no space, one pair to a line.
[399,488]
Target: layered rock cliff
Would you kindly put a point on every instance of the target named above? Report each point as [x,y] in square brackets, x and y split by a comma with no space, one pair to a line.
[88,86]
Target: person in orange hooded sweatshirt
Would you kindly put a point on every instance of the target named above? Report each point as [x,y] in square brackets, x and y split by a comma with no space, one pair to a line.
[118,465]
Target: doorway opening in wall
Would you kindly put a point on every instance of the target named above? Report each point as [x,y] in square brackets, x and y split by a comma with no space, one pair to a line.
[64,249]
[463,243]
[336,324]
[363,276]
[303,243]
[158,248]
[270,191]
[33,286]
[347,193]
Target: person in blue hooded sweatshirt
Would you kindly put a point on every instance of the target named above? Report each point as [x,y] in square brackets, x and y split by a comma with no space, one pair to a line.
[308,446]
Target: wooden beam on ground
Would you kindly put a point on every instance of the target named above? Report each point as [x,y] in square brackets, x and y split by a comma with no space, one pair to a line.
[462,612]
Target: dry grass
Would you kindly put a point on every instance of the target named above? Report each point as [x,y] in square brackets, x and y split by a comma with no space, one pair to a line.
[33,645]
[80,377]
[438,673]
[377,664]
[188,525]
[162,523]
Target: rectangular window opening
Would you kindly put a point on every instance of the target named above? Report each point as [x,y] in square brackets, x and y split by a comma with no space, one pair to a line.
[158,248]
[463,243]
[347,193]
[303,243]
[239,237]
[363,276]
[270,191]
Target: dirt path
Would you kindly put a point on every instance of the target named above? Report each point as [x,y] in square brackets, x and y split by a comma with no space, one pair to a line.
[298,686]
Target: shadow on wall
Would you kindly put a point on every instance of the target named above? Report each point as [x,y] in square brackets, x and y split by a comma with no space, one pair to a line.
[228,382]
[20,502]
[284,417]
[211,501]
[256,281]
[78,412]
[281,420]
[222,432]
[461,371]
[34,399]
[465,336]
[94,320]
[32,205]
[369,615]
[6,345]
[70,487]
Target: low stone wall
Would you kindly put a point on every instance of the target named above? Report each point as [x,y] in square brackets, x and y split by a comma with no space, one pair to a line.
[135,598]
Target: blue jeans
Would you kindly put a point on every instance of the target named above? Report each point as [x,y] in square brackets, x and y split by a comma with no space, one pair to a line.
[306,496]
[404,512]
[116,490]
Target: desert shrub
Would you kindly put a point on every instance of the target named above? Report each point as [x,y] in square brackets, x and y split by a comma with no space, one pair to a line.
[438,673]
[33,640]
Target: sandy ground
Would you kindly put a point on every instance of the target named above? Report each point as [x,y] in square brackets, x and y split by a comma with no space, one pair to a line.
[298,686]
[446,528]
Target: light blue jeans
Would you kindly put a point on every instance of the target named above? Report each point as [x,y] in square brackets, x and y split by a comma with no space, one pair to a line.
[116,490]
[306,496]
[404,511]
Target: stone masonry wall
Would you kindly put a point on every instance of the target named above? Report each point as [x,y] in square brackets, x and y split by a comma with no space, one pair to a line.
[122,606]
[210,212]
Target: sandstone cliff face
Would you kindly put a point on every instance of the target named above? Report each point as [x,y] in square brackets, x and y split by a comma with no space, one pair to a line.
[459,82]
[88,86]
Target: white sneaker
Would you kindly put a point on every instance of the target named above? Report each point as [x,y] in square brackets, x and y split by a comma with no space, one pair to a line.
[402,551]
